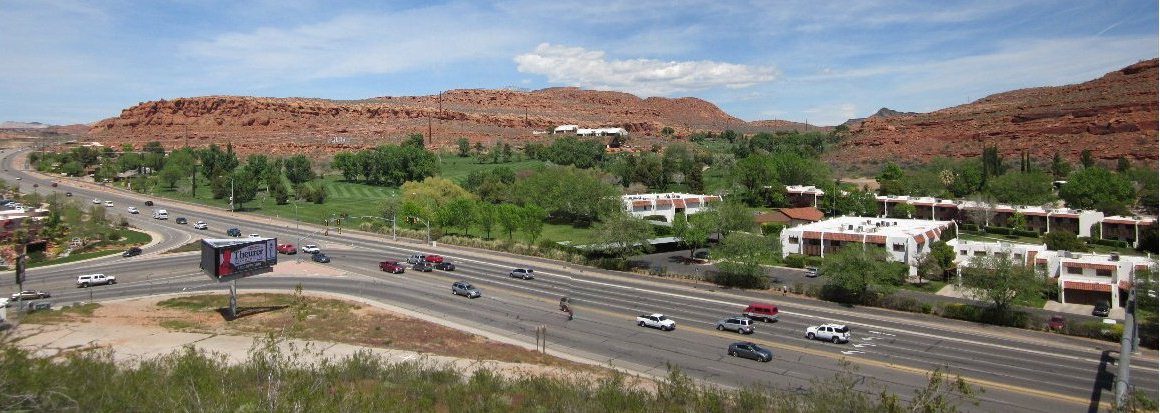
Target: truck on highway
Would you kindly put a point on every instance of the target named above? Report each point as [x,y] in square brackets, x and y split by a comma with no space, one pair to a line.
[656,321]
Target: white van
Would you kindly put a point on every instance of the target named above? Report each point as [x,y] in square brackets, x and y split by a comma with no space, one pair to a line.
[160,214]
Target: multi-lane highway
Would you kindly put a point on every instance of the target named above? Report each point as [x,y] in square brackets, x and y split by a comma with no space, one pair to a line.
[1019,370]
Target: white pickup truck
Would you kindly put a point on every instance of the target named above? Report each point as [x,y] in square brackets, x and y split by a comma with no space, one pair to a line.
[656,321]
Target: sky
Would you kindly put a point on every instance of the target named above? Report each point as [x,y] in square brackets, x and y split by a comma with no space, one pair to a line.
[822,62]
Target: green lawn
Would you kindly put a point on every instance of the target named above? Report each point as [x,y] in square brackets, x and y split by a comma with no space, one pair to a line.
[456,169]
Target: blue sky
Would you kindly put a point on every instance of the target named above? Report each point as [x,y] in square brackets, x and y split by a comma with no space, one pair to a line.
[68,61]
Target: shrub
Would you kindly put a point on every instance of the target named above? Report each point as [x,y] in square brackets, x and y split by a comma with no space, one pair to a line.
[772,228]
[1114,243]
[740,280]
[997,230]
[795,261]
[968,227]
[987,315]
[1025,233]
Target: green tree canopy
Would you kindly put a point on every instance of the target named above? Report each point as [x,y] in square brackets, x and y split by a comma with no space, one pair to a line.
[1000,280]
[1022,188]
[1098,188]
[861,272]
[621,234]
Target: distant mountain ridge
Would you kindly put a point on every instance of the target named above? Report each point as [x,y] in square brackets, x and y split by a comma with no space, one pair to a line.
[881,113]
[22,125]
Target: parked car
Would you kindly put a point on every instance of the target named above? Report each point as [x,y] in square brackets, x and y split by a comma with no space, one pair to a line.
[423,266]
[811,272]
[133,210]
[434,259]
[30,295]
[524,273]
[656,321]
[445,266]
[465,289]
[835,333]
[763,312]
[132,252]
[319,257]
[181,220]
[234,232]
[1056,323]
[417,258]
[752,351]
[288,249]
[392,267]
[311,249]
[741,325]
[1102,309]
[86,281]
[200,225]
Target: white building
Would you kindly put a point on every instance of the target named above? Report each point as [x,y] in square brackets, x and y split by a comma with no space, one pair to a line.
[565,129]
[602,132]
[1022,253]
[902,239]
[666,205]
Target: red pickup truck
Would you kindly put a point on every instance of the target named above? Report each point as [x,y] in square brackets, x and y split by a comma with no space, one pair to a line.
[392,267]
[434,259]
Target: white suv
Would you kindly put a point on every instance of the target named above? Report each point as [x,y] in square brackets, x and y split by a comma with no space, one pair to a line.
[84,281]
[835,333]
[311,249]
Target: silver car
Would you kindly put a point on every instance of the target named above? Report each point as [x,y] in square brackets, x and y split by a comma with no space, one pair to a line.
[741,325]
[465,289]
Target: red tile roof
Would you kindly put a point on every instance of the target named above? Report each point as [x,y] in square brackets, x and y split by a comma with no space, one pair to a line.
[1086,286]
[804,214]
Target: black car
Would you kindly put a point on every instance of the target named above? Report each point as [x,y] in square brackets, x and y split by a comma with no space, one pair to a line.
[234,232]
[423,266]
[68,194]
[132,251]
[752,351]
[181,220]
[1102,309]
[148,203]
[320,257]
[445,266]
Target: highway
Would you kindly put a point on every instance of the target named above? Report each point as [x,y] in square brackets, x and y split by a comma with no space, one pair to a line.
[1019,370]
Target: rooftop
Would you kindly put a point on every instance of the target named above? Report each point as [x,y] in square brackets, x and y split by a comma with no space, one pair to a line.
[877,226]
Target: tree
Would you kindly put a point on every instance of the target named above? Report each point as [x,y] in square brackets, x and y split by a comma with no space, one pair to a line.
[622,235]
[347,163]
[509,217]
[860,272]
[279,192]
[1063,240]
[170,174]
[943,256]
[1000,280]
[245,187]
[433,192]
[1022,188]
[728,217]
[890,180]
[531,221]
[577,195]
[693,234]
[1098,188]
[1060,169]
[667,131]
[461,213]
[464,147]
[982,210]
[1086,159]
[903,210]
[741,257]
[414,140]
[485,216]
[298,169]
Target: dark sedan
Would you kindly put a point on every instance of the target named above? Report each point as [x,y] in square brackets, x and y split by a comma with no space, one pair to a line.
[132,251]
[752,351]
[320,257]
[445,266]
[423,266]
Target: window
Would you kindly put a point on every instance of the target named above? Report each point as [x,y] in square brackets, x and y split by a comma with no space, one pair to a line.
[793,240]
[1075,270]
[1018,257]
[963,252]
[899,247]
[1103,273]
[980,253]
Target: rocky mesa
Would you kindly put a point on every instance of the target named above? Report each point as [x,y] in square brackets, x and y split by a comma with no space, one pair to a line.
[1113,116]
[303,125]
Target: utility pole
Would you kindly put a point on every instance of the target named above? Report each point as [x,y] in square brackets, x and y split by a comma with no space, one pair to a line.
[231,193]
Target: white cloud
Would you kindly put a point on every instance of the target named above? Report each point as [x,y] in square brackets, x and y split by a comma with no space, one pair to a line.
[829,114]
[576,66]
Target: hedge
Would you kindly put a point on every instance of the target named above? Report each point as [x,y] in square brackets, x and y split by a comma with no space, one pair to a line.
[1114,243]
[795,261]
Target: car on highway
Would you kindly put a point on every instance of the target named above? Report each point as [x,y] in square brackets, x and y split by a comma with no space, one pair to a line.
[445,266]
[761,311]
[319,257]
[523,273]
[1102,309]
[392,267]
[234,232]
[288,249]
[417,258]
[86,281]
[834,333]
[423,266]
[255,236]
[68,194]
[752,351]
[132,252]
[96,201]
[311,249]
[200,225]
[656,321]
[741,325]
[109,204]
[148,203]
[30,295]
[134,210]
[181,220]
[465,289]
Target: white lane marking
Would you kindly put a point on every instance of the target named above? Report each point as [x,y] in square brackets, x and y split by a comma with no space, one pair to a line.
[849,352]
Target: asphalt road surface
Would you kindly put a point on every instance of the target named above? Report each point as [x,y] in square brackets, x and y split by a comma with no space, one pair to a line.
[1019,370]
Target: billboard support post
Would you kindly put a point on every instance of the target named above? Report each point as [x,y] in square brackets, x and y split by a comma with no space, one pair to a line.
[233,299]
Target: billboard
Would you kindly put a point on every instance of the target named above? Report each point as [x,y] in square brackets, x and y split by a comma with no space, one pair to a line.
[231,259]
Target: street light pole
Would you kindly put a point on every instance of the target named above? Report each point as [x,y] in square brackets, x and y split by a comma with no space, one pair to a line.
[231,193]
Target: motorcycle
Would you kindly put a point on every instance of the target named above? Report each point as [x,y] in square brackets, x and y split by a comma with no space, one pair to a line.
[565,307]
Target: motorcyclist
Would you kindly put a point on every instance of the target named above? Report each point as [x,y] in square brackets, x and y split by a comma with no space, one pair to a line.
[565,307]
